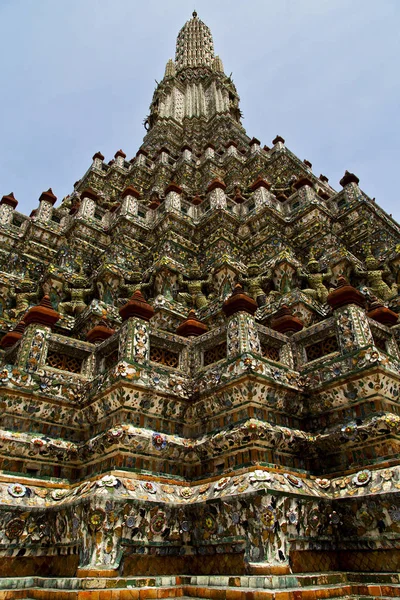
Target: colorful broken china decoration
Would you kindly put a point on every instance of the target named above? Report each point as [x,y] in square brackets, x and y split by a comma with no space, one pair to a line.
[362,477]
[149,487]
[294,481]
[96,518]
[17,490]
[268,518]
[159,441]
[108,481]
[199,362]
[323,483]
[158,522]
[14,528]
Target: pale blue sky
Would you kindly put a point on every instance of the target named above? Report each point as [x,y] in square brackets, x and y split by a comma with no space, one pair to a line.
[77,76]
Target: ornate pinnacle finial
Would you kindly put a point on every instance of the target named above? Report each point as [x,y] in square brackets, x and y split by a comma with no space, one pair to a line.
[194,45]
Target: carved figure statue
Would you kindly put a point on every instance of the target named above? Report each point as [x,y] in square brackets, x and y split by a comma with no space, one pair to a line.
[26,293]
[78,293]
[128,288]
[195,285]
[375,273]
[256,284]
[315,278]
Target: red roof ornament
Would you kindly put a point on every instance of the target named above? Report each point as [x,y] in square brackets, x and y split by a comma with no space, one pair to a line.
[196,200]
[89,193]
[138,307]
[278,139]
[48,197]
[130,191]
[239,301]
[98,155]
[12,337]
[42,314]
[301,182]
[260,182]
[173,187]
[191,326]
[285,322]
[216,183]
[99,333]
[120,153]
[345,294]
[9,200]
[382,314]
[349,178]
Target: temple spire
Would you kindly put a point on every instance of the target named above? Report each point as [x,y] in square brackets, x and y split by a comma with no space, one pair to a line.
[194,46]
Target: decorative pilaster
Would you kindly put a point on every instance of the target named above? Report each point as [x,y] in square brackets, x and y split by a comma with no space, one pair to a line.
[305,189]
[255,146]
[130,198]
[7,206]
[33,346]
[134,339]
[351,320]
[350,182]
[216,191]
[173,197]
[262,195]
[46,203]
[88,204]
[120,158]
[242,335]
[98,160]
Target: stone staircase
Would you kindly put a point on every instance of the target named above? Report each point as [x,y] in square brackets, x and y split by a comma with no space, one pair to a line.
[306,586]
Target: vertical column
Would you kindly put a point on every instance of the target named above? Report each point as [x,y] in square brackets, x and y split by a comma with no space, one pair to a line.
[46,203]
[216,192]
[88,204]
[7,206]
[242,335]
[98,160]
[120,159]
[130,197]
[351,320]
[134,340]
[173,197]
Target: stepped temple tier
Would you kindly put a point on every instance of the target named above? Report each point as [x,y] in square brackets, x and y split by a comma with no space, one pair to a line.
[200,369]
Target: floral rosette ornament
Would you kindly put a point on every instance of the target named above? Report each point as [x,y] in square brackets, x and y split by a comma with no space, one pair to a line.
[158,522]
[314,518]
[108,481]
[222,483]
[97,517]
[268,518]
[187,492]
[130,484]
[159,441]
[149,487]
[58,494]
[38,442]
[323,483]
[349,431]
[259,475]
[17,490]
[209,523]
[14,528]
[292,517]
[204,488]
[130,521]
[362,477]
[294,481]
[116,433]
